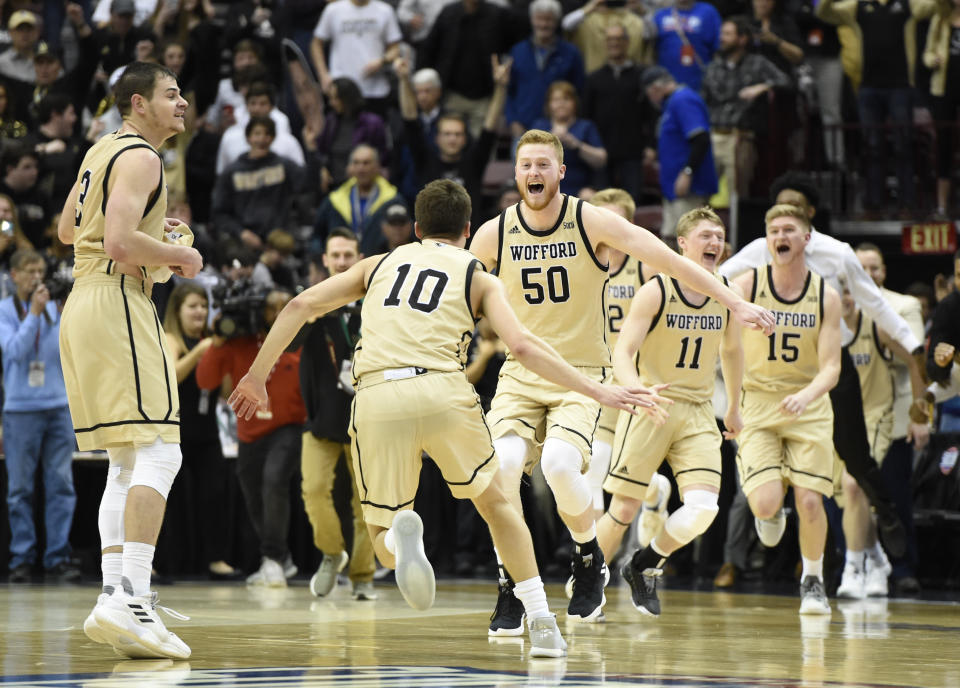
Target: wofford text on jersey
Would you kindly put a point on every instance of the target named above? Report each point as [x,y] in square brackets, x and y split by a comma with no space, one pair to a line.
[559,249]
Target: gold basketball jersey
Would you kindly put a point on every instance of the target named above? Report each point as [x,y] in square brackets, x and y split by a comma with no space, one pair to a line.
[683,344]
[94,183]
[621,287]
[872,360]
[786,361]
[417,310]
[555,283]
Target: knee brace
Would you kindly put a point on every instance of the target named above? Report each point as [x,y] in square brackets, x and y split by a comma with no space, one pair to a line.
[694,517]
[156,466]
[114,500]
[512,451]
[599,465]
[561,464]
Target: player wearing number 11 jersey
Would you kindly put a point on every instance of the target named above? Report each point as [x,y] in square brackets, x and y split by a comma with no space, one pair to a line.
[672,335]
[788,422]
[550,251]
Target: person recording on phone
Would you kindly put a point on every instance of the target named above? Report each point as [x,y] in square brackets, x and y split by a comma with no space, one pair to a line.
[37,429]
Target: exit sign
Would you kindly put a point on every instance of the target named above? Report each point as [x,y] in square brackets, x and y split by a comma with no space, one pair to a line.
[929,238]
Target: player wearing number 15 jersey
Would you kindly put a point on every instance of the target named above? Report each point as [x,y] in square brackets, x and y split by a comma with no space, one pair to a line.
[788,422]
[419,306]
[673,335]
[550,251]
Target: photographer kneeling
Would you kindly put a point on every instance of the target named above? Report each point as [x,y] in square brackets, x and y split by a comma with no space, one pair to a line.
[269,451]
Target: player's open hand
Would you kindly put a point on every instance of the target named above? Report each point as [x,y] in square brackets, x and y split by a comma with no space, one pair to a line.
[755,317]
[733,422]
[249,395]
[637,399]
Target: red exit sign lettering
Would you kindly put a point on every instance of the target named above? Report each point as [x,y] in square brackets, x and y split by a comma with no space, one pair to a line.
[929,238]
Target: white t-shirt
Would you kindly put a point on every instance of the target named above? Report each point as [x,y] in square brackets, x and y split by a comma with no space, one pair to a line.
[358,35]
[233,144]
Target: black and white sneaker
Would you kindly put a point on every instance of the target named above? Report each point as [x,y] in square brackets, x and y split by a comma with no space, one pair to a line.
[813,598]
[643,588]
[589,576]
[131,624]
[507,618]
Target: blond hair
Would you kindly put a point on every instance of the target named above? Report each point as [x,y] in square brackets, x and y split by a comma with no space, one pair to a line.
[786,210]
[692,218]
[616,197]
[539,136]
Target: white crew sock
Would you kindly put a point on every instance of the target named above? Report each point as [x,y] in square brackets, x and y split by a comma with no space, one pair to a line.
[534,598]
[137,563]
[812,567]
[111,565]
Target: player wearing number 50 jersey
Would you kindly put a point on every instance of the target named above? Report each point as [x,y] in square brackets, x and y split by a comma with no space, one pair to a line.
[550,251]
[673,335]
[788,422]
[419,306]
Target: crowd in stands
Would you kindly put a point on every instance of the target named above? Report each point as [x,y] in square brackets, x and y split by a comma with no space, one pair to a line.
[312,120]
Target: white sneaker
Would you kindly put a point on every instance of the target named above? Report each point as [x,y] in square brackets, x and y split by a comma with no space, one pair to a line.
[876,583]
[415,576]
[364,590]
[545,638]
[813,598]
[770,530]
[289,568]
[127,621]
[103,636]
[652,518]
[270,574]
[325,579]
[852,583]
[90,626]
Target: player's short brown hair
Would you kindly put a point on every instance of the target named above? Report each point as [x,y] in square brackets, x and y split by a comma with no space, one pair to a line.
[442,209]
[138,78]
[537,136]
[692,218]
[617,197]
[786,210]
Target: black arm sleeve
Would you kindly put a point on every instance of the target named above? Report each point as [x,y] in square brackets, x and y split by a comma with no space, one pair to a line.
[699,145]
[944,328]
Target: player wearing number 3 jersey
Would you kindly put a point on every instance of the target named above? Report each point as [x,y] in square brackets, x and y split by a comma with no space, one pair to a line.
[419,307]
[558,291]
[788,422]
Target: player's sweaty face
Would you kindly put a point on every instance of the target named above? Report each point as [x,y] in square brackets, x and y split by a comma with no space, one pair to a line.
[538,174]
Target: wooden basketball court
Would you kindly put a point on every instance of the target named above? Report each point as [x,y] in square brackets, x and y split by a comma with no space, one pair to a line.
[256,638]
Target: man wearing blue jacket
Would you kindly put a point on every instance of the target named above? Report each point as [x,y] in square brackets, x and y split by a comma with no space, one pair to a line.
[37,430]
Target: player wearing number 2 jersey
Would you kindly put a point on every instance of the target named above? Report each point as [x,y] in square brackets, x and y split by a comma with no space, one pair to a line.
[550,251]
[788,422]
[419,306]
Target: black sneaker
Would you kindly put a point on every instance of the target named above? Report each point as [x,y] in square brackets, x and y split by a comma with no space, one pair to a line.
[589,576]
[507,618]
[643,588]
[64,572]
[21,574]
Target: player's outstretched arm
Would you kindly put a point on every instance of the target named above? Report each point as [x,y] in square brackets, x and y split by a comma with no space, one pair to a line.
[633,332]
[134,179]
[613,230]
[919,428]
[339,290]
[828,354]
[486,243]
[731,363]
[535,354]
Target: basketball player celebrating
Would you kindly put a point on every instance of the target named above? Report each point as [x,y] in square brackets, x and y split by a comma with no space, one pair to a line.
[419,306]
[550,251]
[625,276]
[673,335]
[110,333]
[788,421]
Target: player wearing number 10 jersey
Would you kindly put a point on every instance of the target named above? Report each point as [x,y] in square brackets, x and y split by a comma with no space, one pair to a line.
[788,422]
[550,251]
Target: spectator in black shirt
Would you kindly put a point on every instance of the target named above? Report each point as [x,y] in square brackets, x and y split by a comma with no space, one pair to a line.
[945,330]
[615,102]
[454,158]
[60,151]
[459,46]
[20,184]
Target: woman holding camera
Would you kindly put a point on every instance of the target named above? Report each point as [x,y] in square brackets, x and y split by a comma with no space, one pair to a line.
[200,489]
